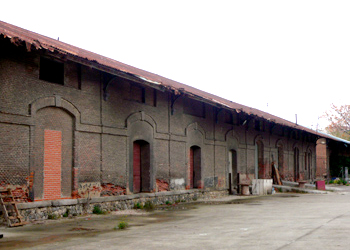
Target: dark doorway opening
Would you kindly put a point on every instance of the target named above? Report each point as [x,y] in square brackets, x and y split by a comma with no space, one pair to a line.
[280,159]
[308,160]
[141,167]
[259,161]
[296,164]
[232,158]
[195,167]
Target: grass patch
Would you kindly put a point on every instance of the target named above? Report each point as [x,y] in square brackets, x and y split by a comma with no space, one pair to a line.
[138,205]
[338,182]
[149,206]
[66,213]
[123,224]
[98,210]
[52,217]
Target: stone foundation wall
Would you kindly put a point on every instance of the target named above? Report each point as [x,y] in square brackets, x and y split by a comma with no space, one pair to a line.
[43,210]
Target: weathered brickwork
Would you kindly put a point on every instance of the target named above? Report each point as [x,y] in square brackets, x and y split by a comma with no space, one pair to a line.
[101,116]
[114,160]
[14,153]
[322,162]
[89,156]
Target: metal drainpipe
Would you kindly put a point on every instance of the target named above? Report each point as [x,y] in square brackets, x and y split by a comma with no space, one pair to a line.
[169,133]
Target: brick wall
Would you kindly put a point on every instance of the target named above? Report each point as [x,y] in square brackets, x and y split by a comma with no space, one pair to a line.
[89,156]
[322,159]
[14,154]
[114,163]
[97,134]
[52,164]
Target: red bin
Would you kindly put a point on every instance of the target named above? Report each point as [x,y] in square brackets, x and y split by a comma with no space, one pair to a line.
[320,185]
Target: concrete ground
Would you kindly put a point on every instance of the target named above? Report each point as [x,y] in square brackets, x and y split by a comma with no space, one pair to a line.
[280,221]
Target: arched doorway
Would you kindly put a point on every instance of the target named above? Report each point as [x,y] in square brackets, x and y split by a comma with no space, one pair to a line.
[195,175]
[308,164]
[296,164]
[141,167]
[232,159]
[259,160]
[280,159]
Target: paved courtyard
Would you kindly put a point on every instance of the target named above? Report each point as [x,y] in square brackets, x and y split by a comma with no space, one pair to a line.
[280,221]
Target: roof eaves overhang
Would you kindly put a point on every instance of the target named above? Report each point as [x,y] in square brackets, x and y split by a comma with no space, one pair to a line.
[36,41]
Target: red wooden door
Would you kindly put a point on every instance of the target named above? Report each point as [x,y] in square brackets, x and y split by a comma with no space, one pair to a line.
[191,167]
[137,168]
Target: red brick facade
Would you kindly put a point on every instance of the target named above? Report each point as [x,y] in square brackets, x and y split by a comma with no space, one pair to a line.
[77,135]
[52,164]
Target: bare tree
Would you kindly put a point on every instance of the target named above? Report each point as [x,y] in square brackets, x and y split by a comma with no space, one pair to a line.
[339,121]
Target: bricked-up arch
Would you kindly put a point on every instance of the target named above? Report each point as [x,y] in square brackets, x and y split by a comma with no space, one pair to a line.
[54,101]
[53,153]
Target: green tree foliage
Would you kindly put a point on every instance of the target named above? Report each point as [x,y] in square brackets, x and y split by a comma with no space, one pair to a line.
[339,121]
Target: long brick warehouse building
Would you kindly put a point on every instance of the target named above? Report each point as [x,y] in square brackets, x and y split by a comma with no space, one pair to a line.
[75,124]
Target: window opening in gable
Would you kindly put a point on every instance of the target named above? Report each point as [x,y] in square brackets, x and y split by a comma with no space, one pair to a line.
[51,71]
[259,125]
[137,93]
[228,118]
[141,94]
[194,107]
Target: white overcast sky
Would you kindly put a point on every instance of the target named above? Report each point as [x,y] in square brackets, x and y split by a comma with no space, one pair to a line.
[283,57]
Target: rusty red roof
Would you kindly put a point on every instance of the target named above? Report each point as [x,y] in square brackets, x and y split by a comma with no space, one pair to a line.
[31,39]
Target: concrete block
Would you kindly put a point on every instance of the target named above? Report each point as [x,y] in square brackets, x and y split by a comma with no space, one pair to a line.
[89,189]
[262,186]
[35,204]
[177,184]
[209,181]
[65,202]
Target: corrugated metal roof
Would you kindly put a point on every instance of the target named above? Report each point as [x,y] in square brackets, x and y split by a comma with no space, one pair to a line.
[32,39]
